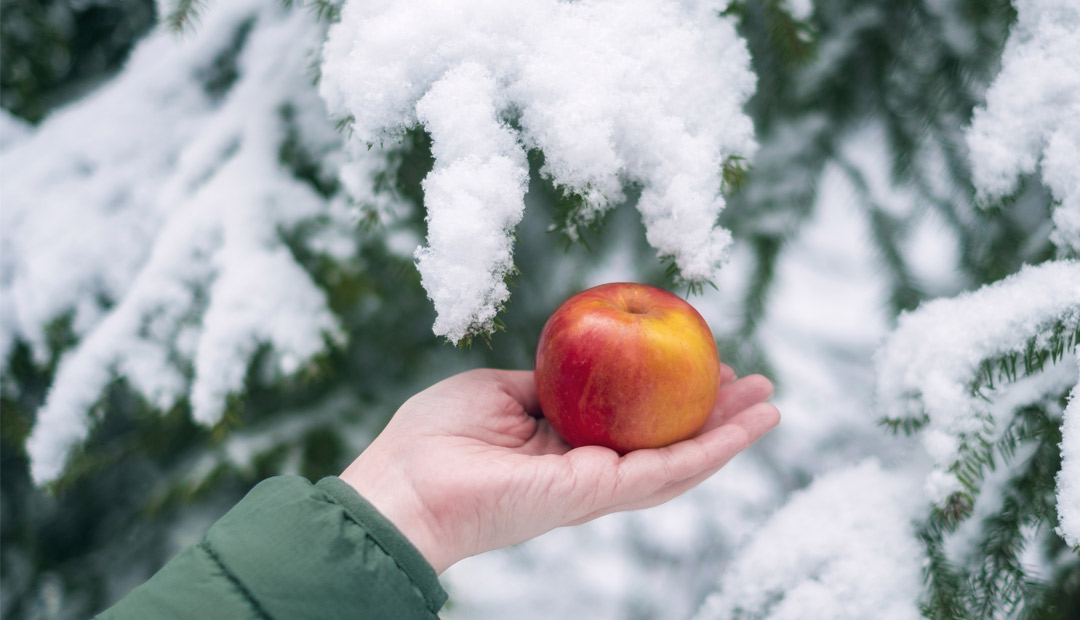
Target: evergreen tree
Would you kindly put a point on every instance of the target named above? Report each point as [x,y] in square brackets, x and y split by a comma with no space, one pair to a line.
[208,279]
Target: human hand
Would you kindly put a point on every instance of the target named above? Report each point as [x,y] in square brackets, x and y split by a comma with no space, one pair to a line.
[469,465]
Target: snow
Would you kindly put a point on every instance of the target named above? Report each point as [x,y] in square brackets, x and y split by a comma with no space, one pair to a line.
[611,91]
[152,211]
[473,198]
[1032,113]
[933,356]
[845,548]
[1068,479]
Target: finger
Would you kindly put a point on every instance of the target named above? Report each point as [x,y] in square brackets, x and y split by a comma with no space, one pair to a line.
[756,421]
[736,396]
[733,395]
[644,475]
[761,418]
[519,385]
[727,374]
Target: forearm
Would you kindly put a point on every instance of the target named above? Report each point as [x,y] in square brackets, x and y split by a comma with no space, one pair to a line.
[292,550]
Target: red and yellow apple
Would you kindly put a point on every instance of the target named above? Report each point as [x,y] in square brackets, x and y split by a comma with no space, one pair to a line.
[626,366]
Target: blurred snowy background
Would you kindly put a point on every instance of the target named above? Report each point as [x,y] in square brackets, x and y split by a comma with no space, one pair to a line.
[235,235]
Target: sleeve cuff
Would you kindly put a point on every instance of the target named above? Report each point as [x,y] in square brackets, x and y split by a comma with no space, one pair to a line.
[388,537]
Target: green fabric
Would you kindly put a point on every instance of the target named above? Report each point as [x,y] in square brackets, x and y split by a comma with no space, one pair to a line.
[289,550]
[190,586]
[392,541]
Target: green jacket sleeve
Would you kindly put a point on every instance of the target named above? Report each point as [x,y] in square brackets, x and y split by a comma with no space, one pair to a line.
[289,550]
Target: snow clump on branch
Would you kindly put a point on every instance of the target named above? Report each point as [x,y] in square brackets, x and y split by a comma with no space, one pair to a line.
[611,91]
[1032,113]
[930,367]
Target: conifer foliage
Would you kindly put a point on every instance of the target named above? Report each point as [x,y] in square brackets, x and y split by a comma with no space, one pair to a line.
[231,244]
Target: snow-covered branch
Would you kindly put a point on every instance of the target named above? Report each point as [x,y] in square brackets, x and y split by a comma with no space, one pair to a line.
[1032,114]
[934,368]
[612,91]
[151,215]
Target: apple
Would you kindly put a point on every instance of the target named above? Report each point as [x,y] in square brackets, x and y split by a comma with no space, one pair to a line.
[626,366]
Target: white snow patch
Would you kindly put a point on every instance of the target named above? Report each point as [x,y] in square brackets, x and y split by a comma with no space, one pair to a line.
[844,548]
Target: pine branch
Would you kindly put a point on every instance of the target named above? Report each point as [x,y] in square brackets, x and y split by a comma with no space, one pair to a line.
[767,250]
[576,220]
[693,287]
[345,124]
[795,40]
[944,585]
[994,581]
[1017,448]
[185,15]
[735,172]
[1002,581]
[324,10]
[907,426]
[887,230]
[1049,345]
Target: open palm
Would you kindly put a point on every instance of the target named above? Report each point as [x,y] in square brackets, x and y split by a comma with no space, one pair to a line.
[470,465]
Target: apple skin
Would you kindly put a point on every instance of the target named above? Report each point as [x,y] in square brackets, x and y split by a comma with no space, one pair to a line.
[626,366]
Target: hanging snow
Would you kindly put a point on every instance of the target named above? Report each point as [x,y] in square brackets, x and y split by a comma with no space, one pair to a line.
[612,91]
